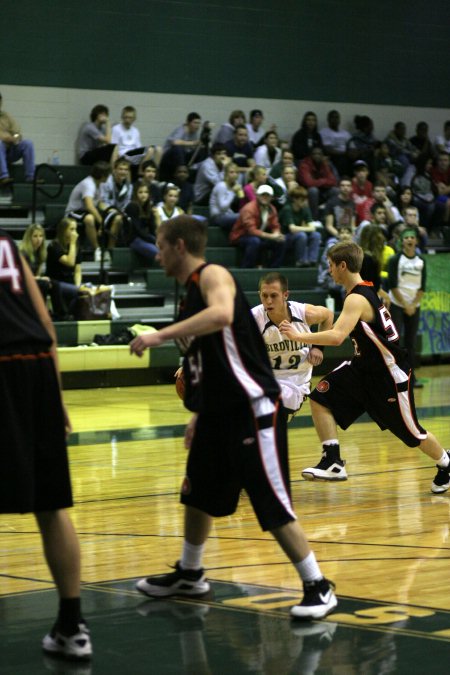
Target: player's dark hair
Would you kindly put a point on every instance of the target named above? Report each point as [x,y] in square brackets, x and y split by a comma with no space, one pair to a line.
[193,232]
[61,230]
[347,252]
[272,278]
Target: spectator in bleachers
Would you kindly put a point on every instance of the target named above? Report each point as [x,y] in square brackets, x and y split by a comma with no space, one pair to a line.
[401,147]
[287,159]
[86,208]
[376,256]
[440,175]
[282,186]
[227,129]
[254,127]
[422,141]
[209,173]
[225,198]
[241,151]
[34,249]
[64,263]
[257,176]
[362,190]
[442,141]
[117,190]
[258,230]
[335,142]
[409,217]
[306,138]
[94,141]
[378,219]
[148,177]
[362,144]
[268,153]
[301,232]
[340,209]
[13,147]
[388,170]
[128,140]
[186,189]
[169,208]
[424,191]
[183,146]
[380,197]
[143,221]
[315,173]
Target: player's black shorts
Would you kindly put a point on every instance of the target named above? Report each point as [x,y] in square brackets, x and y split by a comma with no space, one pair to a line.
[242,451]
[34,472]
[385,394]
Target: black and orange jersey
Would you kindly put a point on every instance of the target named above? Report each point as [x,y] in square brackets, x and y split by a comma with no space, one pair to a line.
[227,368]
[21,331]
[376,343]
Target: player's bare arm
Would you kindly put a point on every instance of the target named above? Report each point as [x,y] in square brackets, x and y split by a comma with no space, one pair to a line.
[355,308]
[44,316]
[323,317]
[218,290]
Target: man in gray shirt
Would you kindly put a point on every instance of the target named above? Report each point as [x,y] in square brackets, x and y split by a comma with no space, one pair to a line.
[209,173]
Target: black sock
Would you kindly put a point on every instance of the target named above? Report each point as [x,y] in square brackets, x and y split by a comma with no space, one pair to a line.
[69,615]
[332,452]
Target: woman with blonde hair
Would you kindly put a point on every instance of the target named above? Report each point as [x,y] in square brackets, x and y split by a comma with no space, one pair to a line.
[34,249]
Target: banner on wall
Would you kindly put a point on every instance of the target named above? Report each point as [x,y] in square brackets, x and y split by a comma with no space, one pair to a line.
[435,306]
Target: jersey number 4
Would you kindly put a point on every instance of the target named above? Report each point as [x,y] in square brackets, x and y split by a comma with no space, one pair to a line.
[8,267]
[389,327]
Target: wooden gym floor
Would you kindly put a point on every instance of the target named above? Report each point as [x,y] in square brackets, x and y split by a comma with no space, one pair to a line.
[382,536]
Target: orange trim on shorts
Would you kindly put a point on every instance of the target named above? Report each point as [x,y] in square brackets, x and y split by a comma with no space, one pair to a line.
[25,357]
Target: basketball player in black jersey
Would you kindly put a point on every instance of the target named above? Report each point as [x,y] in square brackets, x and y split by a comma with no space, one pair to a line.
[234,438]
[377,380]
[34,475]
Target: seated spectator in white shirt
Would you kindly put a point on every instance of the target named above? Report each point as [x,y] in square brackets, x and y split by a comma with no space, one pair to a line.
[86,207]
[128,140]
[254,127]
[268,153]
[209,173]
[335,142]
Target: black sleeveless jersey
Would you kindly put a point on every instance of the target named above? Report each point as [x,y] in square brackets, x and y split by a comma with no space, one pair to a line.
[226,369]
[21,331]
[376,343]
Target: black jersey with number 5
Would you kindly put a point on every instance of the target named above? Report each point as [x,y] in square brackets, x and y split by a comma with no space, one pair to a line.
[376,343]
[227,368]
[21,330]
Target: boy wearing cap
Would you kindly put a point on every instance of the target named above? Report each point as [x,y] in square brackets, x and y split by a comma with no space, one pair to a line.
[258,229]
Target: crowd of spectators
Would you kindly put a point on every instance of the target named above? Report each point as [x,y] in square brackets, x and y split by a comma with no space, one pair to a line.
[300,191]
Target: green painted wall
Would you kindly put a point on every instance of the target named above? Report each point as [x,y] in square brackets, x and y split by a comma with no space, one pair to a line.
[385,52]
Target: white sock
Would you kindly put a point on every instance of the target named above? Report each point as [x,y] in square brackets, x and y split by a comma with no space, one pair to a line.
[308,568]
[444,461]
[332,441]
[191,558]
